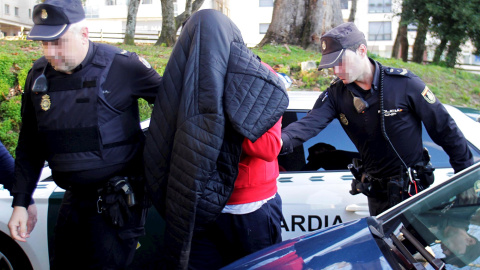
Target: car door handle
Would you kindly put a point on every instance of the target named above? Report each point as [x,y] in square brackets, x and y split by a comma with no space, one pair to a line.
[357,208]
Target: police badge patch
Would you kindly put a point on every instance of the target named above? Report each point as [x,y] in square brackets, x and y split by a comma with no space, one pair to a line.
[343,119]
[428,95]
[44,14]
[144,62]
[45,102]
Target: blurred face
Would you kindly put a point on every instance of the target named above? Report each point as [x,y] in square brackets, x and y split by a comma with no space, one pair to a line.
[64,54]
[349,68]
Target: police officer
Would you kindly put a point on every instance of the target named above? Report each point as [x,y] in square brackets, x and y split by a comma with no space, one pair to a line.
[80,113]
[381,109]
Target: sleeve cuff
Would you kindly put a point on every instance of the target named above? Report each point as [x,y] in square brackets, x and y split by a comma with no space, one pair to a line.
[287,146]
[21,199]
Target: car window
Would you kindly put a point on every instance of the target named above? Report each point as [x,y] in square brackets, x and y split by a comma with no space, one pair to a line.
[331,149]
[448,220]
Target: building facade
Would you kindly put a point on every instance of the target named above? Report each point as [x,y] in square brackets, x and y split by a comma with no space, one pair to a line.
[109,17]
[15,17]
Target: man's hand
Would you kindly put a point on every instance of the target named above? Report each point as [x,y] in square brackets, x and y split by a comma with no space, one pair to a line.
[18,224]
[32,218]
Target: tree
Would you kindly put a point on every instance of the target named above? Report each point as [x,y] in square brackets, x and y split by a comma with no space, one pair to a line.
[131,22]
[400,46]
[171,24]
[419,45]
[302,22]
[454,22]
[167,35]
[353,11]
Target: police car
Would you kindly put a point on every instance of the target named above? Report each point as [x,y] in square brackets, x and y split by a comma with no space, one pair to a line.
[438,229]
[314,191]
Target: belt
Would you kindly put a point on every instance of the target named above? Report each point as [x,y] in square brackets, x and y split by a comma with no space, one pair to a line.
[382,180]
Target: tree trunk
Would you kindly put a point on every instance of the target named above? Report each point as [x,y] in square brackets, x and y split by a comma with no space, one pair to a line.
[353,11]
[131,22]
[439,51]
[419,45]
[189,9]
[167,35]
[171,24]
[400,39]
[321,17]
[452,53]
[302,22]
[404,43]
[287,23]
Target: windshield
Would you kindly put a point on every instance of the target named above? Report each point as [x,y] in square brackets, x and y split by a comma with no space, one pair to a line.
[448,221]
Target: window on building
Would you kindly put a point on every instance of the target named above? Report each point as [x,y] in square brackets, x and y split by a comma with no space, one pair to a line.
[92,11]
[7,9]
[16,11]
[147,1]
[264,28]
[380,31]
[266,3]
[116,2]
[379,6]
[344,4]
[222,6]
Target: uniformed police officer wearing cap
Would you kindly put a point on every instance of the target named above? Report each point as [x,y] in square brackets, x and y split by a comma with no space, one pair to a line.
[80,113]
[355,99]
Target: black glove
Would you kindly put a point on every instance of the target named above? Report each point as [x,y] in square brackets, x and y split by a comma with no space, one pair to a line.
[361,187]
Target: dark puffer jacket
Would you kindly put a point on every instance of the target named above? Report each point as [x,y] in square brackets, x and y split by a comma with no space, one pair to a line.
[215,92]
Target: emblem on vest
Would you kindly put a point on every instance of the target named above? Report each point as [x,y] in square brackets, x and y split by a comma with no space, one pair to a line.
[343,119]
[45,102]
[428,95]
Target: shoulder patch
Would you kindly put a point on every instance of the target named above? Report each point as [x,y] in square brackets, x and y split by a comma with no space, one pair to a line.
[124,53]
[396,71]
[144,62]
[428,95]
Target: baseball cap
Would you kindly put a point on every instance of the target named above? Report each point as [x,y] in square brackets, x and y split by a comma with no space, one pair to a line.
[53,18]
[336,41]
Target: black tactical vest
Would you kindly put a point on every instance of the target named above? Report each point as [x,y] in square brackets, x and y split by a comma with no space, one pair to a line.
[82,131]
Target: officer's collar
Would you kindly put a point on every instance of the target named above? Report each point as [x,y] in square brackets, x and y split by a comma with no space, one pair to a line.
[375,87]
[376,76]
[87,59]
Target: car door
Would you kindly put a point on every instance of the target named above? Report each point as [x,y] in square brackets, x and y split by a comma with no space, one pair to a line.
[441,225]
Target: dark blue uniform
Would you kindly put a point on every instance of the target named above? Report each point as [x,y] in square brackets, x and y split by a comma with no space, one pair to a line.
[407,103]
[6,167]
[87,127]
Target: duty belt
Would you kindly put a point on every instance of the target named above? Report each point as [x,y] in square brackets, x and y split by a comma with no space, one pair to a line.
[381,180]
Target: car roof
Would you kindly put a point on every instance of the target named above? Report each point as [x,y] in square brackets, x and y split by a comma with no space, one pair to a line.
[302,99]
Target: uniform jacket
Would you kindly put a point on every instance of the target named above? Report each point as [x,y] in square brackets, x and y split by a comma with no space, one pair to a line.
[408,103]
[76,113]
[214,93]
[258,168]
[7,166]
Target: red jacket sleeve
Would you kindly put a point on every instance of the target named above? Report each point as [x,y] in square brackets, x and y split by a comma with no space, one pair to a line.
[267,147]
